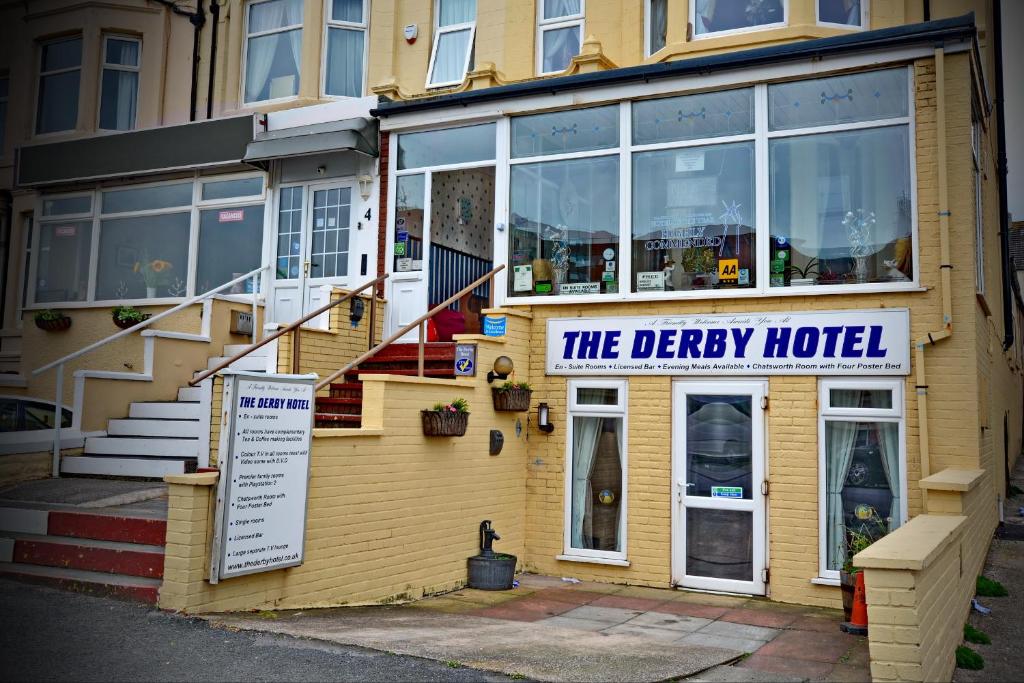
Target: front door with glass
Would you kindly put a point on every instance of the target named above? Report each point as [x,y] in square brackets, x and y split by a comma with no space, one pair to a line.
[314,224]
[718,512]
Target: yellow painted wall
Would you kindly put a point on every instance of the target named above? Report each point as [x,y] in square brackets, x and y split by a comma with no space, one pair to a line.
[392,514]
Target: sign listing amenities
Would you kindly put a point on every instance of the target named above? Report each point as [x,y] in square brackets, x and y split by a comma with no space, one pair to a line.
[265,473]
[873,342]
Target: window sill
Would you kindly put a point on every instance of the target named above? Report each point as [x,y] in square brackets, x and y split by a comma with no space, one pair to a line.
[593,560]
[822,581]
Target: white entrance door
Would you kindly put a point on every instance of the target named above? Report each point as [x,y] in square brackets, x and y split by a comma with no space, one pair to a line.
[314,225]
[718,511]
[409,253]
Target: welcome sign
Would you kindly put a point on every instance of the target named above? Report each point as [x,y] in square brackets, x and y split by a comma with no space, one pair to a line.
[874,342]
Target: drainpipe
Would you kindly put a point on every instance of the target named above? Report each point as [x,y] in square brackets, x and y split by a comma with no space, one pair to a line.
[1011,289]
[198,20]
[215,18]
[931,338]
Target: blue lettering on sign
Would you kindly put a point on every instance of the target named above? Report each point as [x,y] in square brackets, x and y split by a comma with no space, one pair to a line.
[495,326]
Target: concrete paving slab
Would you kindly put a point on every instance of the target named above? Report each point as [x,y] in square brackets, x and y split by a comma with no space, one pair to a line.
[576,624]
[609,615]
[711,640]
[806,669]
[707,598]
[647,633]
[733,674]
[542,652]
[725,628]
[446,605]
[671,622]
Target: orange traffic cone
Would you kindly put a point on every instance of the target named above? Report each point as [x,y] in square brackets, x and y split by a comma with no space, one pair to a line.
[858,623]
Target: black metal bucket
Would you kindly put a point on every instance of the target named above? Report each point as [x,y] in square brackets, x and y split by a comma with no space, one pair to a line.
[494,573]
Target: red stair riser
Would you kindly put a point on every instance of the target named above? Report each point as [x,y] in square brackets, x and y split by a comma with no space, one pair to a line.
[147,594]
[126,562]
[108,527]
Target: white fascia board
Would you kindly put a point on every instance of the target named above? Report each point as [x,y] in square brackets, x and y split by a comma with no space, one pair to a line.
[347,108]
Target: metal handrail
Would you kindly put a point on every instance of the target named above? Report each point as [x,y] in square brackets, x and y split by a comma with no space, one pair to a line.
[419,322]
[60,362]
[293,327]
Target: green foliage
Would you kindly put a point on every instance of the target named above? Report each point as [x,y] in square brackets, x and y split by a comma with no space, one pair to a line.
[452,664]
[966,658]
[517,676]
[806,271]
[974,635]
[49,315]
[509,385]
[1015,490]
[987,588]
[129,314]
[459,405]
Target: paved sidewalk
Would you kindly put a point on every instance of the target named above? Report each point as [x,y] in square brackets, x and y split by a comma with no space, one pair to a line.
[592,631]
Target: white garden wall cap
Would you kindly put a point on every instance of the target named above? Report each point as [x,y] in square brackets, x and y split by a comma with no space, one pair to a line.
[914,546]
[952,479]
[193,479]
[475,338]
[336,432]
[523,312]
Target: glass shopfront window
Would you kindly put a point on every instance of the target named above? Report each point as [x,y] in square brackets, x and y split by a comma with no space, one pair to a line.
[62,268]
[230,244]
[144,257]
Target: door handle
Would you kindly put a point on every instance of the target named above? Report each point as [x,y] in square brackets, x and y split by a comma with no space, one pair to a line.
[305,268]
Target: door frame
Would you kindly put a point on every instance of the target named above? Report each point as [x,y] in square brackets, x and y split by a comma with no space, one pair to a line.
[758,504]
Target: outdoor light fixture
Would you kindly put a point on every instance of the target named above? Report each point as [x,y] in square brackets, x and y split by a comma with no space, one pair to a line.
[502,369]
[543,423]
[365,186]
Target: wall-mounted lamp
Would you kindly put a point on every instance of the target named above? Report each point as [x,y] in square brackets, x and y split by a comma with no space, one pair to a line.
[543,421]
[356,310]
[502,369]
[365,186]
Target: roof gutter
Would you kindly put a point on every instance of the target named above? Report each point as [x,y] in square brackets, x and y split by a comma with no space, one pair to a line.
[932,33]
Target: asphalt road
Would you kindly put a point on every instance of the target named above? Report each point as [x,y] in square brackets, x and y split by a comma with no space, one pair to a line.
[53,635]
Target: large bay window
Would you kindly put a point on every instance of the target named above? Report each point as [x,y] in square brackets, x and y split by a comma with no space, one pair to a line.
[763,189]
[273,50]
[156,241]
[596,472]
[60,75]
[452,53]
[559,34]
[119,87]
[346,48]
[862,468]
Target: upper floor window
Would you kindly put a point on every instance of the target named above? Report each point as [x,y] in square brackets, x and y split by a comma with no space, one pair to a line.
[60,73]
[454,31]
[719,16]
[559,34]
[5,84]
[346,46]
[657,25]
[273,48]
[119,94]
[851,13]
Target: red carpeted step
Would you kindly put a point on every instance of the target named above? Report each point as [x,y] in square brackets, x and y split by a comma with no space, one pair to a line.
[118,528]
[136,588]
[129,559]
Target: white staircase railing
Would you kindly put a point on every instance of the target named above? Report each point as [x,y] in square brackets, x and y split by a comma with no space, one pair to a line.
[61,362]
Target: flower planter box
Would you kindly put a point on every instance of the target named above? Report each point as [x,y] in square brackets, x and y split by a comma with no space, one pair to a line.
[511,400]
[125,324]
[58,325]
[444,423]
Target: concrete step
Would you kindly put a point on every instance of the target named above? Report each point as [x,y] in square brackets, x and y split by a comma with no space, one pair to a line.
[109,557]
[165,410]
[254,363]
[190,394]
[107,527]
[137,588]
[123,466]
[140,427]
[232,349]
[169,447]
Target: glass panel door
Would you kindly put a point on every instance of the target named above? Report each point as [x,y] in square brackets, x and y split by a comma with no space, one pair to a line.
[718,467]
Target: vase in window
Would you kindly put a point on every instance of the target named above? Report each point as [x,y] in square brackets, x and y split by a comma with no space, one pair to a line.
[859,226]
[150,292]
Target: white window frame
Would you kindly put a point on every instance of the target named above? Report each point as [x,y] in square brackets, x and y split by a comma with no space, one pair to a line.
[329,23]
[104,66]
[978,158]
[896,414]
[865,15]
[576,409]
[736,31]
[96,216]
[40,74]
[440,31]
[245,57]
[566,21]
[647,30]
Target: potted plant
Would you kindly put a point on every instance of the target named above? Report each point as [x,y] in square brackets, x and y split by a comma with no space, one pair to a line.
[512,396]
[872,528]
[446,419]
[52,321]
[154,273]
[128,316]
[802,276]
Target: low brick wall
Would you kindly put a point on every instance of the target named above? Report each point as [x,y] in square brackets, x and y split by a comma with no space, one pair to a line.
[920,579]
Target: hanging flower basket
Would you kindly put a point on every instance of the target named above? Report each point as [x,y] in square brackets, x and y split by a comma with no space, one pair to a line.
[442,423]
[126,316]
[512,399]
[52,321]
